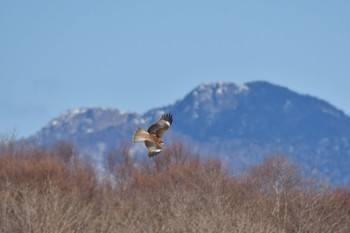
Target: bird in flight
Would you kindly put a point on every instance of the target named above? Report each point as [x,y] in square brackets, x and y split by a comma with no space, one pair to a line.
[153,136]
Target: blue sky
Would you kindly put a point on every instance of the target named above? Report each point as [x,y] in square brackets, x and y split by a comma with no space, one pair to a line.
[136,55]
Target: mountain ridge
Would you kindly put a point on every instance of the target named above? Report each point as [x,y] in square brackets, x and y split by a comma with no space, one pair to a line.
[240,123]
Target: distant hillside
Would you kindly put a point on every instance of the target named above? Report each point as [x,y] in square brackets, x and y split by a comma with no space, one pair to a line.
[240,123]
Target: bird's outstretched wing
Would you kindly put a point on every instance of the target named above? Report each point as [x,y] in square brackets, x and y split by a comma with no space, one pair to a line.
[153,136]
[161,125]
[152,148]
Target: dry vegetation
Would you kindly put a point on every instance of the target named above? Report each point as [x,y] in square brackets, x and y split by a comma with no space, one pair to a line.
[54,191]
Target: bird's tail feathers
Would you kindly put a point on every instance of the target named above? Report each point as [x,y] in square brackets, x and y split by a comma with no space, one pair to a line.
[140,135]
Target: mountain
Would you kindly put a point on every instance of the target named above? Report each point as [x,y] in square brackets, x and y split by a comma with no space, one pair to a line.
[240,123]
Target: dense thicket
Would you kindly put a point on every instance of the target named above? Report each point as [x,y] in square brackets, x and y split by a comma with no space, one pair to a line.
[52,190]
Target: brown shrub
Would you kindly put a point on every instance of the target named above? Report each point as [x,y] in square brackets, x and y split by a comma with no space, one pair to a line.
[53,190]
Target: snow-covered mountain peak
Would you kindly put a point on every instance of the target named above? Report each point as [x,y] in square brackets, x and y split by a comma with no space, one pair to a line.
[219,88]
[89,120]
[210,98]
[71,113]
[83,112]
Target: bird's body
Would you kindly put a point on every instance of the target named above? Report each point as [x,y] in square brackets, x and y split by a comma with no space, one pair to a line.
[153,136]
[142,135]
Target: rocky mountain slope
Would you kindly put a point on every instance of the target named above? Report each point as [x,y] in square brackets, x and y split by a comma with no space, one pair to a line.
[240,123]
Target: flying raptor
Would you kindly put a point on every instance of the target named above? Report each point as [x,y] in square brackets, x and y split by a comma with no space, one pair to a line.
[153,136]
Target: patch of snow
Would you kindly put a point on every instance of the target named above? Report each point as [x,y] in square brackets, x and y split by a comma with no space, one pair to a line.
[219,91]
[54,122]
[330,112]
[195,105]
[243,88]
[203,87]
[72,113]
[220,88]
[78,111]
[287,105]
[139,121]
[195,115]
[89,130]
[160,113]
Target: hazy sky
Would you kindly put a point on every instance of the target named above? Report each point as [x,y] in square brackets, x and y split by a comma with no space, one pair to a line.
[136,55]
